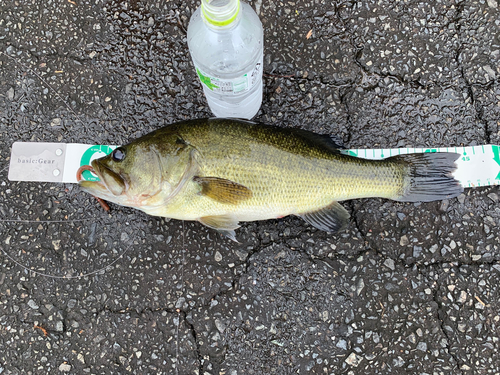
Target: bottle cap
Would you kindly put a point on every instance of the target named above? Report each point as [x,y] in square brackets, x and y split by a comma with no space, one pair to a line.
[220,12]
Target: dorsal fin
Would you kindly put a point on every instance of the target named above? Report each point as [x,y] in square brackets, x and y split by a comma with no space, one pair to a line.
[323,140]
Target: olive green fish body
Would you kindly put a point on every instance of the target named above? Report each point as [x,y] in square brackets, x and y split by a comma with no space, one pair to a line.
[222,171]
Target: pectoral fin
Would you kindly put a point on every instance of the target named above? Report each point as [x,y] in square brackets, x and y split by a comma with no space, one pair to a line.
[332,218]
[222,190]
[224,224]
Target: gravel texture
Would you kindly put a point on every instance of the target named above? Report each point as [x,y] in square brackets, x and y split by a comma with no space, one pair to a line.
[407,288]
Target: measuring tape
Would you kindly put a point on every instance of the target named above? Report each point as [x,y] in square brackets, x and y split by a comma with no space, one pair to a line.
[58,162]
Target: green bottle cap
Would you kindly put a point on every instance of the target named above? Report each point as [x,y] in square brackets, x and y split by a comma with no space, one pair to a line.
[220,12]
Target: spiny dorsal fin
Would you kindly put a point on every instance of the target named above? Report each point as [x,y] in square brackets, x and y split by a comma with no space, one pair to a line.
[332,218]
[325,140]
[222,190]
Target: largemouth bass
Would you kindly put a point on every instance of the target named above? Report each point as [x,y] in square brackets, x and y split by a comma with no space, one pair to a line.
[224,171]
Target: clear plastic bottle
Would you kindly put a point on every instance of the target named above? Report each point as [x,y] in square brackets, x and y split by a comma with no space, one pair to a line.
[226,41]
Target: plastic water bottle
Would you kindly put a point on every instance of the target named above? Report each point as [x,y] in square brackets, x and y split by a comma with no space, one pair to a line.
[225,39]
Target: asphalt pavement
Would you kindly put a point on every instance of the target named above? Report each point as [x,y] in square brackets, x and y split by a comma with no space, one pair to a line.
[407,288]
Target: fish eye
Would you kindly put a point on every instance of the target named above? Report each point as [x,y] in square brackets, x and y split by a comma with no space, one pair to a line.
[118,154]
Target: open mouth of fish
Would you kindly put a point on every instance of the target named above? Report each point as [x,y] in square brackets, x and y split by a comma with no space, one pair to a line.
[83,168]
[97,188]
[109,180]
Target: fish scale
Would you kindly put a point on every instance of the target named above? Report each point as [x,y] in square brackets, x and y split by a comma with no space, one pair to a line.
[283,183]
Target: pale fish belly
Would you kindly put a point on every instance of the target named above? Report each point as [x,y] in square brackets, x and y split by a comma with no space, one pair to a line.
[190,205]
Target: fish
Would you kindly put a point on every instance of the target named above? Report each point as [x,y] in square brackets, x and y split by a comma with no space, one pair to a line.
[222,172]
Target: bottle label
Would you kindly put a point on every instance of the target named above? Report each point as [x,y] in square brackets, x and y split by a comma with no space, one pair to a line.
[231,86]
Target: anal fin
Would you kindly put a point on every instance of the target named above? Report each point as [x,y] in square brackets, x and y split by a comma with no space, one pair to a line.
[332,218]
[224,224]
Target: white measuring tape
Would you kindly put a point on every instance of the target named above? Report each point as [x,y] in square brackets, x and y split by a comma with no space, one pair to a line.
[59,162]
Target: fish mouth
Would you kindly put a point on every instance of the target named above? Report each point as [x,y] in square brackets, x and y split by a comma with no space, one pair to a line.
[83,168]
[110,184]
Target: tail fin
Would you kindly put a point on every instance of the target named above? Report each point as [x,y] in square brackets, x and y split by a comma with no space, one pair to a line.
[430,177]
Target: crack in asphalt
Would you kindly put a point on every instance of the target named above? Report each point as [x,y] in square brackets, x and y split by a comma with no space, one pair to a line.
[344,100]
[378,73]
[369,243]
[194,334]
[477,106]
[184,314]
[468,85]
[356,222]
[449,339]
[457,263]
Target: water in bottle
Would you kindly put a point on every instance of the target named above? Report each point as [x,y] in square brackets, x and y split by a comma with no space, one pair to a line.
[225,39]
